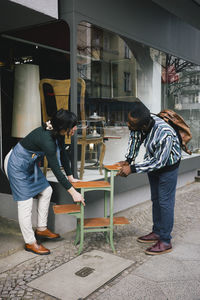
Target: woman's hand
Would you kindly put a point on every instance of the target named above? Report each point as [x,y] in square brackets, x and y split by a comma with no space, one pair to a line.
[72,179]
[77,197]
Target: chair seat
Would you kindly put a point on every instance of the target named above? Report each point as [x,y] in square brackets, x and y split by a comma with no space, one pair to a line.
[101,222]
[91,184]
[114,167]
[66,208]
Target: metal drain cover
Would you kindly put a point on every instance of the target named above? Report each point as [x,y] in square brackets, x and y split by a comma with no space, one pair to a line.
[95,267]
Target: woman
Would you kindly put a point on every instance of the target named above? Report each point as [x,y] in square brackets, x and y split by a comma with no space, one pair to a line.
[27,180]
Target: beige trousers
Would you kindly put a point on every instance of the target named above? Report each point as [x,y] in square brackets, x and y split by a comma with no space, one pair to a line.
[25,211]
[25,214]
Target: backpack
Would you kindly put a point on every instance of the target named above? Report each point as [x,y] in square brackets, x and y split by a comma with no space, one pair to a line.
[177,122]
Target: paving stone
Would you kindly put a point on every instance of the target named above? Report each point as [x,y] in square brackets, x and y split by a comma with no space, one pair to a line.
[187,216]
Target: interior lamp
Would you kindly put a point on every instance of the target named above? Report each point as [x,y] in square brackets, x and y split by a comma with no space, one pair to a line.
[26,102]
[93,119]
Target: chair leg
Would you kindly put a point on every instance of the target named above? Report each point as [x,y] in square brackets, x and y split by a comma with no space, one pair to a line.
[83,148]
[77,239]
[107,237]
[81,230]
[111,240]
[102,154]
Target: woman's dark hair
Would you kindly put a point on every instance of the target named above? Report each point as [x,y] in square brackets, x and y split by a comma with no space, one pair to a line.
[63,119]
[140,112]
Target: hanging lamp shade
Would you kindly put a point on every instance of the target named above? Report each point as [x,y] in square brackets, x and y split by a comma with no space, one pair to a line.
[26,102]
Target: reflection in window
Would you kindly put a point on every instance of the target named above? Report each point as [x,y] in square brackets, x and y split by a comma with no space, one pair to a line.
[27,47]
[127,82]
[181,92]
[109,70]
[127,52]
[118,70]
[110,78]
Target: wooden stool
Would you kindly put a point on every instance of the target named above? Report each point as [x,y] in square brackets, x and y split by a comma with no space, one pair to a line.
[104,224]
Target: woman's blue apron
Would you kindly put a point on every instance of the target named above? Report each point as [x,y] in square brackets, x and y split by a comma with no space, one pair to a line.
[25,177]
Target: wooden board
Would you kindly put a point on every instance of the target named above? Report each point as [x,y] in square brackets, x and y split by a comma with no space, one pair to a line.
[90,184]
[66,208]
[114,167]
[101,222]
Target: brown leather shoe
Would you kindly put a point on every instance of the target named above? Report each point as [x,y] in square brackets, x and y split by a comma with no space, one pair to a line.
[159,248]
[149,238]
[37,249]
[46,234]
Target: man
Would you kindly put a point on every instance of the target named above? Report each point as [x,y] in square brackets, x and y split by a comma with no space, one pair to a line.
[161,162]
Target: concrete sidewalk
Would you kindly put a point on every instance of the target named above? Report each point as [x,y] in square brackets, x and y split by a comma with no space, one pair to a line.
[175,275]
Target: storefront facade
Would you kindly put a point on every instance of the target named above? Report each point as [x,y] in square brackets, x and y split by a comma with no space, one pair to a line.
[122,51]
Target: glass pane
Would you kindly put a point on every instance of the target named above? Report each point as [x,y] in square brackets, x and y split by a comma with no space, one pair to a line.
[108,69]
[181,93]
[116,72]
[24,65]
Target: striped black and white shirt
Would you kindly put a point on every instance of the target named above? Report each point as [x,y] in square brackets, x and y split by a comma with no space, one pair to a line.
[162,147]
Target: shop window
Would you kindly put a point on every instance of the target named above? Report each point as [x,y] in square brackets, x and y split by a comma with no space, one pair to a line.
[127,82]
[111,87]
[106,43]
[127,52]
[32,54]
[118,70]
[181,92]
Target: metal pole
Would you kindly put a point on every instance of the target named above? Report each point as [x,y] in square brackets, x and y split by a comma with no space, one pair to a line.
[70,18]
[1,153]
[73,76]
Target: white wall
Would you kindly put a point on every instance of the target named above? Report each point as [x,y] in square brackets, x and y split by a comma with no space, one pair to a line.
[116,148]
[149,87]
[155,104]
[48,7]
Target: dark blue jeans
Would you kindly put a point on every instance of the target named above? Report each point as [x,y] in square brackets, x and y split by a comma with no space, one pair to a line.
[163,189]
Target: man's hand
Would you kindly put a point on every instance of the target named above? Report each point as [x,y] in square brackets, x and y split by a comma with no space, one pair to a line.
[123,163]
[124,171]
